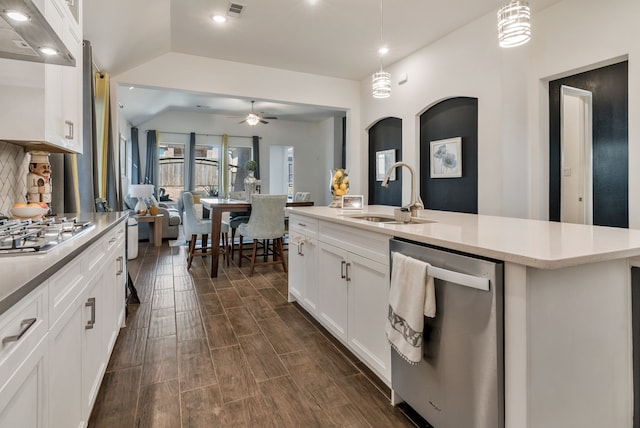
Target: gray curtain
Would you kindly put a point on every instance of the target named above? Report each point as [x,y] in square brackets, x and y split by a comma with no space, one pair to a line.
[114,182]
[135,157]
[151,168]
[256,155]
[190,163]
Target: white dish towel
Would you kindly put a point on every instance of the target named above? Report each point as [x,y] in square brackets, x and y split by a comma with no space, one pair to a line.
[412,296]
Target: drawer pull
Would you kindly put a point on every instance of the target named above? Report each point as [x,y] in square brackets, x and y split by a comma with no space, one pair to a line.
[120,260]
[91,303]
[347,275]
[69,125]
[342,265]
[24,325]
[302,225]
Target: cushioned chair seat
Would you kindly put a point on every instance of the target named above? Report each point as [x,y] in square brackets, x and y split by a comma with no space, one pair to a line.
[265,223]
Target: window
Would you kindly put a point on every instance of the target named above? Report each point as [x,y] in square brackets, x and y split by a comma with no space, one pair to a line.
[207,160]
[171,169]
[237,157]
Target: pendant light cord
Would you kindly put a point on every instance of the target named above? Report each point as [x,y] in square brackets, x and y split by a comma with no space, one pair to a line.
[381,31]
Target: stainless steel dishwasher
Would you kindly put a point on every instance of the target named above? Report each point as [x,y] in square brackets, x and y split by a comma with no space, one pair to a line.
[460,380]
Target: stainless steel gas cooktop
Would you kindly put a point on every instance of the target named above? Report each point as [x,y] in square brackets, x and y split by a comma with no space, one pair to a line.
[21,237]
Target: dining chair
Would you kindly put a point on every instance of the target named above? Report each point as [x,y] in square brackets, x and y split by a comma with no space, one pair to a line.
[266,223]
[194,225]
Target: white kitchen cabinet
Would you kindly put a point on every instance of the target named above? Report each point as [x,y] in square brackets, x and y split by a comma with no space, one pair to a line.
[368,309]
[333,289]
[352,284]
[23,363]
[42,103]
[89,294]
[353,304]
[303,262]
[94,355]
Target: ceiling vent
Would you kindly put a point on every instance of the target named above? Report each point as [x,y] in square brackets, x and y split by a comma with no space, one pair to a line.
[235,10]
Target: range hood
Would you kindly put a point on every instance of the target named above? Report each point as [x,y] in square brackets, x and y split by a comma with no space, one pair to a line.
[23,40]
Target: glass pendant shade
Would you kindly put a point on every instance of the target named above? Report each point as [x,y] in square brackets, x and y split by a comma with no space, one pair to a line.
[381,84]
[514,24]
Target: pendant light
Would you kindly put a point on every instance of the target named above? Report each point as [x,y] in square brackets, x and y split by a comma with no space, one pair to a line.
[381,81]
[514,24]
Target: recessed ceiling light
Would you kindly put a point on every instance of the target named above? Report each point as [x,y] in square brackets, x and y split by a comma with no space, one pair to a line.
[219,19]
[16,15]
[383,50]
[49,51]
[131,88]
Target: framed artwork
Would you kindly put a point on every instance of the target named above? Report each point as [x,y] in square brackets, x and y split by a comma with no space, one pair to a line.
[384,159]
[446,158]
[352,202]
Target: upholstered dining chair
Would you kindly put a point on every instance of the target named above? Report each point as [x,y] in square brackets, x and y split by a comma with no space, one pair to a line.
[194,225]
[266,223]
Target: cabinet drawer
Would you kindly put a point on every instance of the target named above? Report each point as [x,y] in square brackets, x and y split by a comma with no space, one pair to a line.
[64,287]
[114,237]
[373,246]
[21,329]
[94,257]
[304,225]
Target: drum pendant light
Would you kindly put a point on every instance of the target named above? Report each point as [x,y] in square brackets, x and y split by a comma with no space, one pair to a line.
[514,24]
[381,81]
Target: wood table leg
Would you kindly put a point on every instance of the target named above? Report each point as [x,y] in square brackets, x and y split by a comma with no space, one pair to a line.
[157,231]
[216,225]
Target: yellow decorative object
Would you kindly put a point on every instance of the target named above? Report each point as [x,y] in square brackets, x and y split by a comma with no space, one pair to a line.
[153,210]
[339,186]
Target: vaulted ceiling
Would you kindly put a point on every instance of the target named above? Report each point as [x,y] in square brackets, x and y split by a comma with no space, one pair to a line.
[336,38]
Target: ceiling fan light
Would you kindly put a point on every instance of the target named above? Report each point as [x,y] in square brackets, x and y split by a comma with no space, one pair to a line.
[381,84]
[514,24]
[253,119]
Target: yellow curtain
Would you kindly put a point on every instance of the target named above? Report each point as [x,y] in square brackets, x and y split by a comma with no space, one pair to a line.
[102,130]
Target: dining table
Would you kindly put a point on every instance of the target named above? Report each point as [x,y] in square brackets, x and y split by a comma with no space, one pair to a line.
[216,207]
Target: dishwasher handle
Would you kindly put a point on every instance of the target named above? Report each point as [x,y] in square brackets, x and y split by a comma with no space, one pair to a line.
[459,278]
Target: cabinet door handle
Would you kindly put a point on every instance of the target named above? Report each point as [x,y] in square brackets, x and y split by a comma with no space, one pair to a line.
[347,275]
[120,260]
[91,303]
[342,266]
[300,248]
[69,135]
[24,326]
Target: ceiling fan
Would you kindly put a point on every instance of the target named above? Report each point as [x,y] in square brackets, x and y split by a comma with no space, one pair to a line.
[253,119]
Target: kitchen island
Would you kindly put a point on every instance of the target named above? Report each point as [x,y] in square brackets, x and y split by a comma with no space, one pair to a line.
[568,355]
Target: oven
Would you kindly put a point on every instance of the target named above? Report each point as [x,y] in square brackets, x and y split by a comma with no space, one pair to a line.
[460,380]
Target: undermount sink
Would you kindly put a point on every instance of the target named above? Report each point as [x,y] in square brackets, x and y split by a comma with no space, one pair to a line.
[388,219]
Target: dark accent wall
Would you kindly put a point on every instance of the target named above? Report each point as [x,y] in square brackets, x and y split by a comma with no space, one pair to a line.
[609,86]
[385,135]
[454,117]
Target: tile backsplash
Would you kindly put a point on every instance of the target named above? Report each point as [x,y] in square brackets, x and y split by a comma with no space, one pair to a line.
[14,166]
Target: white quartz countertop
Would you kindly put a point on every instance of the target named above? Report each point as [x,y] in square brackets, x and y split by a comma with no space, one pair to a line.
[535,243]
[20,274]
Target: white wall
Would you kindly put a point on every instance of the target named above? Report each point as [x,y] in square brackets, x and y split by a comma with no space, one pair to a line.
[510,85]
[312,144]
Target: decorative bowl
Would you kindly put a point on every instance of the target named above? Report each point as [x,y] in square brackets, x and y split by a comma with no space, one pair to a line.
[28,212]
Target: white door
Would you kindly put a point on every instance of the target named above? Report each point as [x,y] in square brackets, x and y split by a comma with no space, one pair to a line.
[296,266]
[576,204]
[368,309]
[93,352]
[310,255]
[332,289]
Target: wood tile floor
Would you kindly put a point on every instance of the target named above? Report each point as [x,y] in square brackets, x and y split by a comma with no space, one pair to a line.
[229,352]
